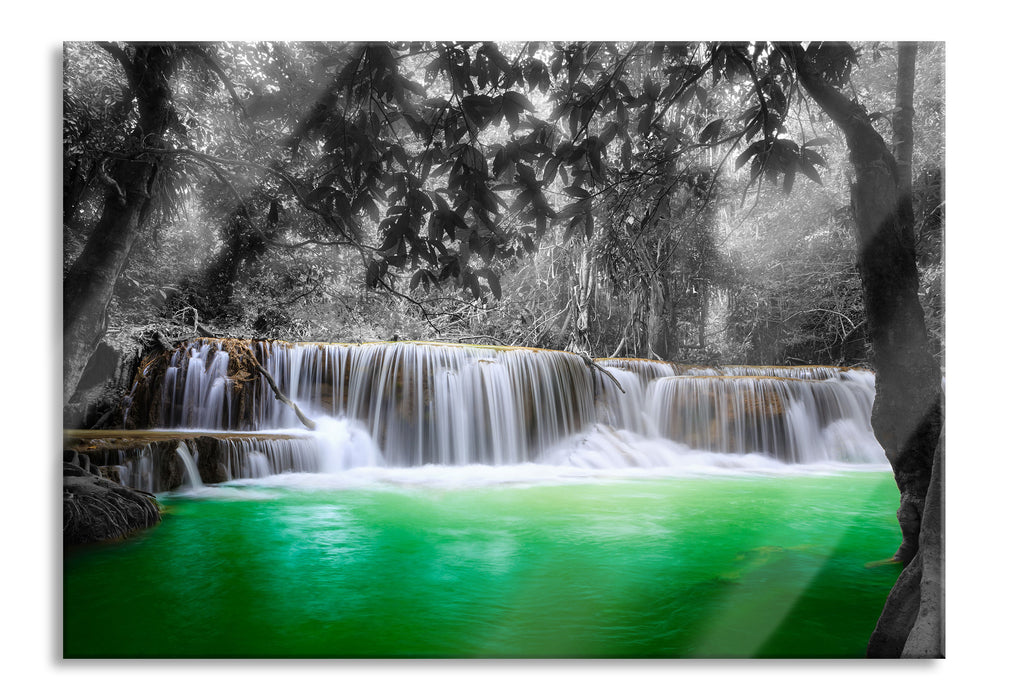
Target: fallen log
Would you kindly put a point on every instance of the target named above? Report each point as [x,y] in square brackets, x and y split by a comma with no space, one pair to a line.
[281,396]
[593,365]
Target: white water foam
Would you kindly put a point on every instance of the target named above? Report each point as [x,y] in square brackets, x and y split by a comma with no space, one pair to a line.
[600,454]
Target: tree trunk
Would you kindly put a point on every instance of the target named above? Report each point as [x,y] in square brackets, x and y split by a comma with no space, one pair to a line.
[241,244]
[583,293]
[658,287]
[89,285]
[907,414]
[661,319]
[903,118]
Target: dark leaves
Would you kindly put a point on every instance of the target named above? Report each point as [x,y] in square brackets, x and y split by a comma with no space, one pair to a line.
[711,131]
[775,157]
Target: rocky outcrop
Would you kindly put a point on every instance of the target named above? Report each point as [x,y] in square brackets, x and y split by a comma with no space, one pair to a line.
[97,509]
[106,378]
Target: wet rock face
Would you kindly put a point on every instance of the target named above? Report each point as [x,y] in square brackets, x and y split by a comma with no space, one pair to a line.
[120,458]
[106,378]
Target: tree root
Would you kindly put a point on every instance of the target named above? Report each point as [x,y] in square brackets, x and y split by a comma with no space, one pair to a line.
[96,509]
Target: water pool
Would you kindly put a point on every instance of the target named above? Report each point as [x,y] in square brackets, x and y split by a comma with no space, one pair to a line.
[442,565]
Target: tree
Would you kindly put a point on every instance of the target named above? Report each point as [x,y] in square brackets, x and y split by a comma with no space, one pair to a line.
[908,410]
[89,284]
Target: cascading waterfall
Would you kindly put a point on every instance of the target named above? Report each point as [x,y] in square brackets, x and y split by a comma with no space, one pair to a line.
[192,472]
[422,403]
[196,398]
[411,404]
[790,419]
[436,403]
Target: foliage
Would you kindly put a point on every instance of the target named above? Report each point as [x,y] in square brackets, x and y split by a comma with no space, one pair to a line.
[525,192]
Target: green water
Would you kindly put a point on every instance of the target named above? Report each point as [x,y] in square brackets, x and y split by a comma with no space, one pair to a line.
[695,567]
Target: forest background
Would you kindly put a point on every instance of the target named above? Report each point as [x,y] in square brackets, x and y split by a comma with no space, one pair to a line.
[969,96]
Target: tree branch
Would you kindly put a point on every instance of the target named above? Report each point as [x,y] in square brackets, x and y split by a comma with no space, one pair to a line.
[124,60]
[216,68]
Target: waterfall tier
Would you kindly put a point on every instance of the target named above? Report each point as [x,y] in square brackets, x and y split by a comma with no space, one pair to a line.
[412,403]
[151,460]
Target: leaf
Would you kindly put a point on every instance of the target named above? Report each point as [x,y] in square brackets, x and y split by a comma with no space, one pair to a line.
[750,151]
[473,160]
[523,199]
[809,171]
[818,141]
[550,171]
[575,209]
[373,273]
[814,157]
[417,277]
[789,179]
[493,282]
[711,131]
[595,159]
[342,204]
[501,161]
[608,133]
[520,100]
[645,120]
[577,192]
[525,175]
[473,283]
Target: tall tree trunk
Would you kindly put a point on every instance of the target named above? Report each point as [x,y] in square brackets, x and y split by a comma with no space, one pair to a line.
[907,414]
[661,319]
[242,243]
[89,285]
[583,292]
[903,118]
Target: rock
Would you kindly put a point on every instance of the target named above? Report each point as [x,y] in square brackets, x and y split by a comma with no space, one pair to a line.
[97,509]
[211,459]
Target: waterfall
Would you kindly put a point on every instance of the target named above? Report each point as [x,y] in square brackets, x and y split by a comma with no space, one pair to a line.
[192,472]
[793,420]
[413,403]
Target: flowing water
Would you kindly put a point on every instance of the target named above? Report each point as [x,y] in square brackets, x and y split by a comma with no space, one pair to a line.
[473,502]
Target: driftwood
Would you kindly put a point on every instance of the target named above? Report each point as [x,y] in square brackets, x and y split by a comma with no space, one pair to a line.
[281,396]
[593,365]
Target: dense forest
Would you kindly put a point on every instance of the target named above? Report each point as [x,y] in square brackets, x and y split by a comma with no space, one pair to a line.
[674,201]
